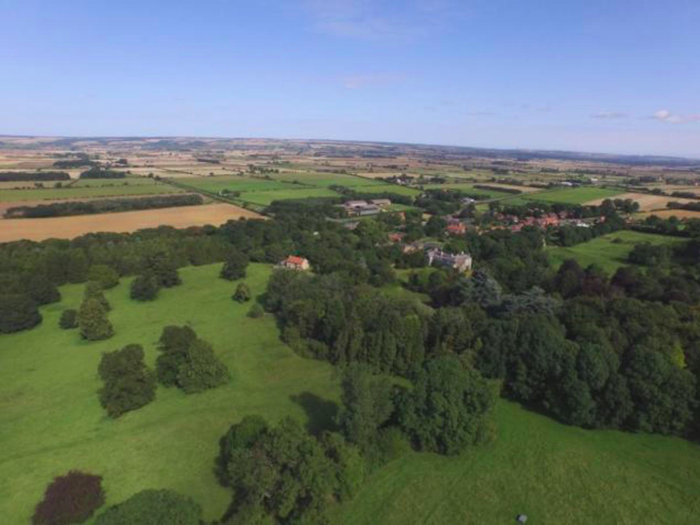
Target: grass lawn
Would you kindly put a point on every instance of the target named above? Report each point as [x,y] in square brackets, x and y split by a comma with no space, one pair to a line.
[389,188]
[604,252]
[51,420]
[323,180]
[267,197]
[468,188]
[84,189]
[553,473]
[572,195]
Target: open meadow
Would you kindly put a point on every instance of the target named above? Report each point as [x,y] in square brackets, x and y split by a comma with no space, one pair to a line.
[51,421]
[87,189]
[128,221]
[608,251]
[582,195]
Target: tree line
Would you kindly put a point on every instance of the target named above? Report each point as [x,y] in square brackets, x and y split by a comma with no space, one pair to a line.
[22,176]
[62,209]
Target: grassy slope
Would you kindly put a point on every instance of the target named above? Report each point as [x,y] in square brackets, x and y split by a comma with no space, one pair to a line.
[267,197]
[51,420]
[572,195]
[604,252]
[553,473]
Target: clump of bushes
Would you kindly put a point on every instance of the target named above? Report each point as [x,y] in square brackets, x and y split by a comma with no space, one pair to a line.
[256,311]
[188,362]
[128,383]
[18,312]
[69,319]
[242,293]
[72,498]
[144,288]
[235,266]
[105,275]
[93,322]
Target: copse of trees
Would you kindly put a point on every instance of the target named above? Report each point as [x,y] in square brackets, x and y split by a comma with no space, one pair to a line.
[43,176]
[128,383]
[69,319]
[97,172]
[63,209]
[72,498]
[74,163]
[17,312]
[144,287]
[188,362]
[234,266]
[283,474]
[93,322]
[103,274]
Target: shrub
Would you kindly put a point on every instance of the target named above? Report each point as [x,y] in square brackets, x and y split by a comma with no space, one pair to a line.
[201,369]
[242,293]
[234,266]
[188,362]
[93,322]
[105,275]
[256,311]
[17,312]
[144,288]
[93,290]
[153,507]
[69,319]
[161,266]
[72,498]
[128,383]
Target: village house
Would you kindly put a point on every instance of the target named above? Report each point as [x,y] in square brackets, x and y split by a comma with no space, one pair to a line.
[295,263]
[461,262]
[456,228]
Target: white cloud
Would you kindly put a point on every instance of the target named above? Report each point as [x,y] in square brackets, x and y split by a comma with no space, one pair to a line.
[664,115]
[610,115]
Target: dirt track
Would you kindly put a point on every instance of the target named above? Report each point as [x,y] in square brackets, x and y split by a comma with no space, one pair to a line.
[69,227]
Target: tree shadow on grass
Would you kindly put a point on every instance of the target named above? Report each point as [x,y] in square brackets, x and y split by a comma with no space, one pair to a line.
[321,413]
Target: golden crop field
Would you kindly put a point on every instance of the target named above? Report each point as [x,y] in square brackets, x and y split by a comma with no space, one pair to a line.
[69,227]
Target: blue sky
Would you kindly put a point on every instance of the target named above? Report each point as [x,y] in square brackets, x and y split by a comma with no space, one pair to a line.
[609,76]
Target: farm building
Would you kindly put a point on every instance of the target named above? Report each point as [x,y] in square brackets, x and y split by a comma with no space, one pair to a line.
[295,263]
[460,262]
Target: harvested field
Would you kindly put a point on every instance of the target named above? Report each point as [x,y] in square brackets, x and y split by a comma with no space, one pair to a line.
[646,202]
[665,214]
[69,227]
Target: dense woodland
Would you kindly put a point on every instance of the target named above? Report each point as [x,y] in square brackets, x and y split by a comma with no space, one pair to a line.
[39,176]
[585,347]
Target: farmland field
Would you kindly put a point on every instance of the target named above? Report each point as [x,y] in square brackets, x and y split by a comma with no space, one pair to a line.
[389,188]
[216,184]
[325,179]
[90,189]
[646,201]
[265,198]
[573,195]
[469,188]
[665,214]
[51,421]
[128,221]
[604,252]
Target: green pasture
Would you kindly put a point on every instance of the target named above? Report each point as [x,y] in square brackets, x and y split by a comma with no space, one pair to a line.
[608,251]
[86,189]
[265,198]
[579,195]
[323,180]
[216,184]
[51,420]
[389,188]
